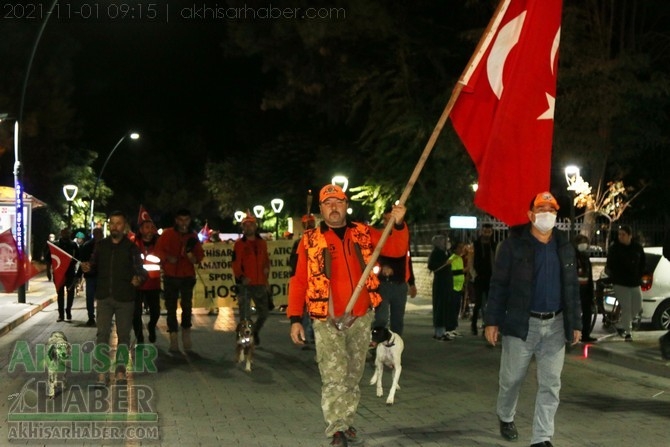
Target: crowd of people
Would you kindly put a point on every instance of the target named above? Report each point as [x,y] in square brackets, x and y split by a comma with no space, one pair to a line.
[532,292]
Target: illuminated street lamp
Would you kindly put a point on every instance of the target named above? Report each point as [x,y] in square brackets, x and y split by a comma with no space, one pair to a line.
[258,211]
[341,181]
[572,178]
[239,215]
[277,206]
[133,136]
[70,192]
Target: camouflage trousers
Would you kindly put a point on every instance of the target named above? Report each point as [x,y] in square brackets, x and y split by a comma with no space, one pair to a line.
[341,358]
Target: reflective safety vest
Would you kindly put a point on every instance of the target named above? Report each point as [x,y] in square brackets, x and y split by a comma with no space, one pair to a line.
[318,268]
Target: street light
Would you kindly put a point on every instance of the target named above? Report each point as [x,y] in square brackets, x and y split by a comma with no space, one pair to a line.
[340,180]
[572,178]
[70,192]
[277,206]
[239,215]
[133,136]
[258,211]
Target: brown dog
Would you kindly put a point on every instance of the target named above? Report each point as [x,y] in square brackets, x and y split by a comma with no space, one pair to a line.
[244,348]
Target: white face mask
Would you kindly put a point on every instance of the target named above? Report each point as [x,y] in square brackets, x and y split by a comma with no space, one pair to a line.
[544,221]
[582,247]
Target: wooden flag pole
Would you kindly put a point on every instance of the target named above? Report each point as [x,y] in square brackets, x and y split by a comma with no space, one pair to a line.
[482,46]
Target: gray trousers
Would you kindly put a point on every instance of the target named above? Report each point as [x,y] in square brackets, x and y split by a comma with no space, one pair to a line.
[630,300]
[545,342]
[123,313]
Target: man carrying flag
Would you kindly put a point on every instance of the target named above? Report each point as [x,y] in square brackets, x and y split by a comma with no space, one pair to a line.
[63,253]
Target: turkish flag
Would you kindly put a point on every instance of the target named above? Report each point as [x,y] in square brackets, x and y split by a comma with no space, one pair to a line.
[505,112]
[142,216]
[60,262]
[15,269]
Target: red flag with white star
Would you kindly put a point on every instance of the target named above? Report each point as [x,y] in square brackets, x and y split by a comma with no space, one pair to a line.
[505,112]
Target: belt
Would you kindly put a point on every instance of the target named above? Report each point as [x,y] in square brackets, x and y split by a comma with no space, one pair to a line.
[545,315]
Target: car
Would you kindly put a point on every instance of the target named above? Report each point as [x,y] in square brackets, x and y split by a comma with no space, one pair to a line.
[655,284]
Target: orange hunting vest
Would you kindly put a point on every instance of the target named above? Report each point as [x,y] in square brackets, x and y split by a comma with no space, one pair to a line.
[318,268]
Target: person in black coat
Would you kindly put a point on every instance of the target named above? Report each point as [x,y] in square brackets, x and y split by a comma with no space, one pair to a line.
[66,244]
[585,276]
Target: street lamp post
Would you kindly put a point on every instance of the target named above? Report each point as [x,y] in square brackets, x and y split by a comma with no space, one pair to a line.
[572,177]
[133,136]
[277,206]
[341,181]
[70,192]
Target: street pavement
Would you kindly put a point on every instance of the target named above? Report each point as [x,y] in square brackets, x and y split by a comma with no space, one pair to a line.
[614,393]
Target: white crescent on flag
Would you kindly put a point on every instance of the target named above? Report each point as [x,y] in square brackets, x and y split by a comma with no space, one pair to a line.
[55,261]
[505,41]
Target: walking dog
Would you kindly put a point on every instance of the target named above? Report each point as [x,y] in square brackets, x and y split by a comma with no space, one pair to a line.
[58,352]
[389,352]
[244,348]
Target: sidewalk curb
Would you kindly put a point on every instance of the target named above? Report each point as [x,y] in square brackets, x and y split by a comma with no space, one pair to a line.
[646,360]
[30,310]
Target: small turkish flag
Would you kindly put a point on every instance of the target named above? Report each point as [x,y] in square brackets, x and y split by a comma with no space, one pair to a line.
[142,216]
[60,262]
[15,268]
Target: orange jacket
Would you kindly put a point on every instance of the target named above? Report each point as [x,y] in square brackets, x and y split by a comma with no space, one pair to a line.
[173,243]
[251,260]
[152,266]
[310,283]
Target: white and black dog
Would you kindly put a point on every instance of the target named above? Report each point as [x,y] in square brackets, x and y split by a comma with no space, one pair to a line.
[244,346]
[58,352]
[389,352]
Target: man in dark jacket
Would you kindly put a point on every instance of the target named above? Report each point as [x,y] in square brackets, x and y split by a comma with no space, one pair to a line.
[85,253]
[484,253]
[625,265]
[534,303]
[118,265]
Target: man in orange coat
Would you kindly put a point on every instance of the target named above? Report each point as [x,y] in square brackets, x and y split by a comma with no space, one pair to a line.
[251,267]
[179,250]
[331,260]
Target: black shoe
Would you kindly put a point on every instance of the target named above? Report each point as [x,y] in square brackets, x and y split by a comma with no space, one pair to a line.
[140,339]
[588,339]
[69,316]
[542,444]
[339,439]
[474,330]
[628,338]
[508,431]
[90,323]
[621,332]
[352,436]
[257,339]
[60,319]
[152,334]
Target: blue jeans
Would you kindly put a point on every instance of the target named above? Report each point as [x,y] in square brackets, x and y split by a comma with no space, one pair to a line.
[176,288]
[394,300]
[545,341]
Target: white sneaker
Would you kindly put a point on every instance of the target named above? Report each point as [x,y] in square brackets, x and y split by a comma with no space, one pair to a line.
[454,334]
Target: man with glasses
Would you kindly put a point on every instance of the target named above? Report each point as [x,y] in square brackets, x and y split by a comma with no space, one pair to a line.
[534,303]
